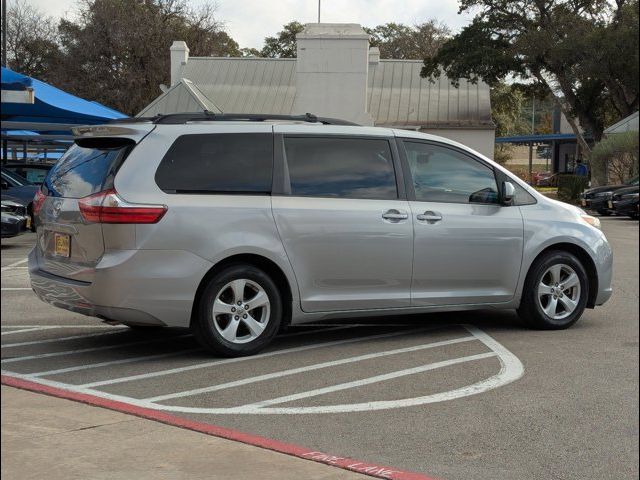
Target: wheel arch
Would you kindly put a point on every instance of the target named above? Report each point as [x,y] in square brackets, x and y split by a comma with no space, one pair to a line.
[270,267]
[585,259]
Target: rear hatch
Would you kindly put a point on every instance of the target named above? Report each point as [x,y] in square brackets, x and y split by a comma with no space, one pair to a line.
[68,245]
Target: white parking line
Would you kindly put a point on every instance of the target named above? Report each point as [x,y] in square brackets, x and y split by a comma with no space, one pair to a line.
[113,362]
[59,326]
[15,289]
[305,348]
[24,330]
[11,265]
[511,369]
[368,381]
[93,349]
[317,366]
[59,339]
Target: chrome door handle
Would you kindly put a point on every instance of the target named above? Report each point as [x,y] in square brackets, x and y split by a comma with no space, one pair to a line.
[429,216]
[394,215]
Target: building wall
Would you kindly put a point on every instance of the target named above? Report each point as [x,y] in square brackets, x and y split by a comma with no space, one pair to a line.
[481,140]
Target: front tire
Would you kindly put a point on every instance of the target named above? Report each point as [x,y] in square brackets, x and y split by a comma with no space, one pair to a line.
[239,313]
[555,292]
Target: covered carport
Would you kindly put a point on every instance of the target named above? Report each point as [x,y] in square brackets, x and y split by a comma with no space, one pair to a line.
[564,152]
[37,118]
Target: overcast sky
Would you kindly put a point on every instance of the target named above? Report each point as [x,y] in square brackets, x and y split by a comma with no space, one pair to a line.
[249,21]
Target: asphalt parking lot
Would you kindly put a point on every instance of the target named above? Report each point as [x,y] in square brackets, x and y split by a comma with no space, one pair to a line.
[455,396]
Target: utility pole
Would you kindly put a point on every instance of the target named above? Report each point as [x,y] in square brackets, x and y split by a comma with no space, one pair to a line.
[318,9]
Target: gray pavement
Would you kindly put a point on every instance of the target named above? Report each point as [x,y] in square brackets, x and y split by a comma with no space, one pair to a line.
[573,414]
[47,437]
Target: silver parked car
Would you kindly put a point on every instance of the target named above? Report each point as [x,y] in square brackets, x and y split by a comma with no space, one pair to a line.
[238,225]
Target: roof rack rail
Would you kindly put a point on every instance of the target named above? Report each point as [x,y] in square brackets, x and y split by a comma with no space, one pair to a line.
[207,116]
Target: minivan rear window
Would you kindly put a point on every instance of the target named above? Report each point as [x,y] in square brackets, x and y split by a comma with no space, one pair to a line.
[218,163]
[88,167]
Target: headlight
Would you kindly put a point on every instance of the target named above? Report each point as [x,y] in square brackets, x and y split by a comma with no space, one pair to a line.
[590,220]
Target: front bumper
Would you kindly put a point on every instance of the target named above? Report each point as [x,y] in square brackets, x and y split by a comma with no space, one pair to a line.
[142,287]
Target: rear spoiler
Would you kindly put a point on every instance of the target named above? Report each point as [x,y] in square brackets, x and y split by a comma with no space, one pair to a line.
[135,132]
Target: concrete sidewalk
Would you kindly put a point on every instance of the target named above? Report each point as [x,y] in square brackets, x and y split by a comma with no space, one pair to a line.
[47,437]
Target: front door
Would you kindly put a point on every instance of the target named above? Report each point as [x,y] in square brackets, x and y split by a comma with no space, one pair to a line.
[468,247]
[348,235]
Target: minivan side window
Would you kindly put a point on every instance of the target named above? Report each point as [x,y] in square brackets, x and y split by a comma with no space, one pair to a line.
[442,174]
[341,167]
[218,163]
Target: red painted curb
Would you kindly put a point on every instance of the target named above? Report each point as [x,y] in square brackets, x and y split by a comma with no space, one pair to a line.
[373,470]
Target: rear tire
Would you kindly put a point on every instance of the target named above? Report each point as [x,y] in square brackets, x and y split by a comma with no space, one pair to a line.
[604,213]
[555,292]
[240,312]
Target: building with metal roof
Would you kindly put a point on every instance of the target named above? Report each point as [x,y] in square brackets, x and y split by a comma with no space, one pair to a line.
[335,74]
[627,124]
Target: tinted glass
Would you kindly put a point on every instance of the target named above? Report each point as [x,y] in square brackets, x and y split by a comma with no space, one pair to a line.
[208,163]
[441,174]
[88,167]
[35,175]
[341,167]
[14,179]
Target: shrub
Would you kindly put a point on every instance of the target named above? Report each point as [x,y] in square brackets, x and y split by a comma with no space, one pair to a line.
[571,186]
[615,159]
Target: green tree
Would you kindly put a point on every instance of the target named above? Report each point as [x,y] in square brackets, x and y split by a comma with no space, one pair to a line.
[32,46]
[116,51]
[615,158]
[399,41]
[583,53]
[507,111]
[284,44]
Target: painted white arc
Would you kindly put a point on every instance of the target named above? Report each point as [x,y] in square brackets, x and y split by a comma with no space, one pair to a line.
[369,381]
[307,368]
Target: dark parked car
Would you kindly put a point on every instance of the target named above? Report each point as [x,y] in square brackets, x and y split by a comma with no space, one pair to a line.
[625,202]
[34,172]
[15,220]
[598,198]
[19,190]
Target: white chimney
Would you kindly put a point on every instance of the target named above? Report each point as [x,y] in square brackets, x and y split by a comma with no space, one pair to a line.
[374,56]
[332,71]
[179,58]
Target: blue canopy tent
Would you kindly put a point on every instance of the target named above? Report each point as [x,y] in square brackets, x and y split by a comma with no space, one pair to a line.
[31,105]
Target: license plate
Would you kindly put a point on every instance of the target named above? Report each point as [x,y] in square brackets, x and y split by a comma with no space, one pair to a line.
[583,202]
[62,244]
[610,204]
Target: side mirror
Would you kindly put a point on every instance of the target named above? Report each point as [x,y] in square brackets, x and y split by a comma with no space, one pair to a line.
[508,192]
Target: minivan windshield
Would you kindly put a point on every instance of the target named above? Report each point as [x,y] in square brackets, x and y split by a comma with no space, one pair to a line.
[88,167]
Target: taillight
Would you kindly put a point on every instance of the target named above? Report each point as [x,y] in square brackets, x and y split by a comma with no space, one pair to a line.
[108,207]
[38,201]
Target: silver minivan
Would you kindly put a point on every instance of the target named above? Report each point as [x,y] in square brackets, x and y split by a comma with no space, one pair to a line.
[239,225]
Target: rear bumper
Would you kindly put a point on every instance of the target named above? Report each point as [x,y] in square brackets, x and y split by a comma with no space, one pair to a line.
[597,203]
[13,225]
[152,287]
[626,207]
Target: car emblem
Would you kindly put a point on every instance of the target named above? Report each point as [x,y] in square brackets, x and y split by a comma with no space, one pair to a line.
[55,209]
